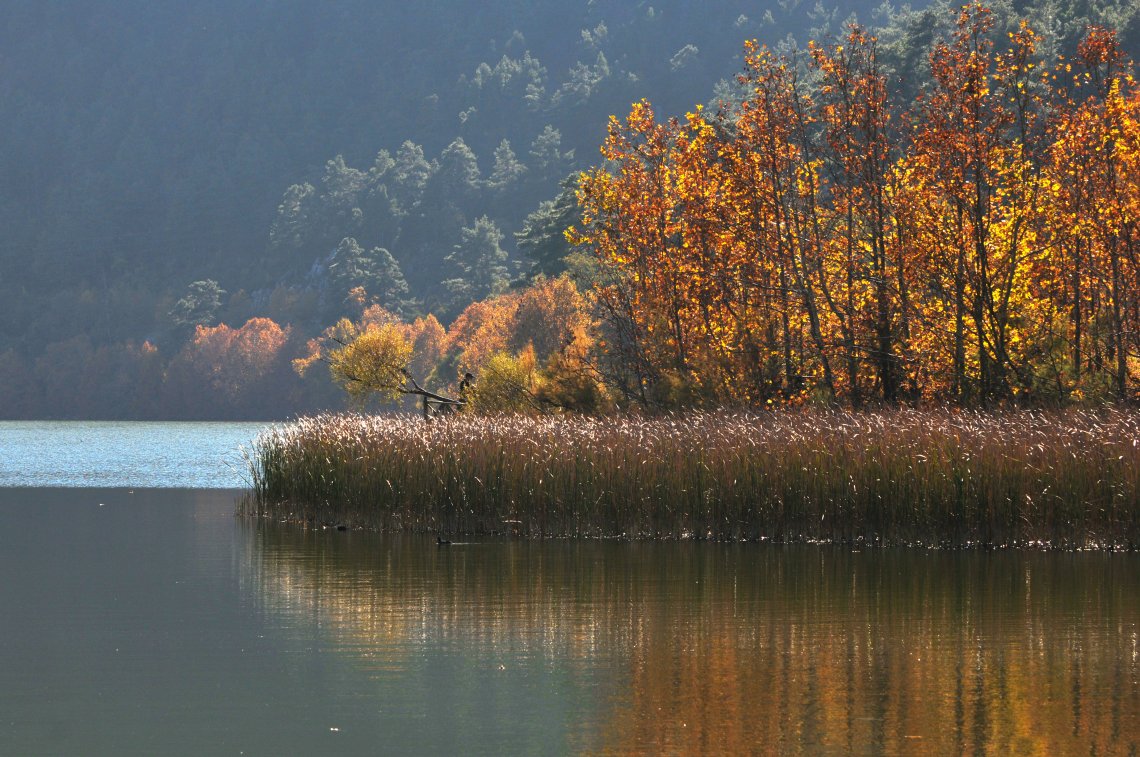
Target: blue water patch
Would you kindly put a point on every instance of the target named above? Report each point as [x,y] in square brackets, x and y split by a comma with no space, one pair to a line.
[125,454]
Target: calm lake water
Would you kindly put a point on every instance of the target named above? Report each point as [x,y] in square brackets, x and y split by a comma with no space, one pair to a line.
[126,454]
[153,621]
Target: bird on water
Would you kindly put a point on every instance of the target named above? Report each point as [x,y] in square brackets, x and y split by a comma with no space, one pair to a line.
[439,540]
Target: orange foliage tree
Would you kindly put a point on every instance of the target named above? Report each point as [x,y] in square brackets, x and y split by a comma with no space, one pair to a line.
[820,240]
[529,349]
[228,369]
[978,244]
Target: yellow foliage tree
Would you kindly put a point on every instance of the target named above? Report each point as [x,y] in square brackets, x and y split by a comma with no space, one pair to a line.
[507,384]
[979,245]
[371,360]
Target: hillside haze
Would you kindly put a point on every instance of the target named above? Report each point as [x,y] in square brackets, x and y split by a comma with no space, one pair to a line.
[166,165]
[148,144]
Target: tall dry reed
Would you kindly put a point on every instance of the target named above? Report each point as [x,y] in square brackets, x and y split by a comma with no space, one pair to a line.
[1065,479]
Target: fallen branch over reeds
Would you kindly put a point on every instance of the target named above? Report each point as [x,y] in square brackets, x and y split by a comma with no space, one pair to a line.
[939,478]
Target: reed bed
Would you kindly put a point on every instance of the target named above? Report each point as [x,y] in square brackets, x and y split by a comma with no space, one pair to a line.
[1066,479]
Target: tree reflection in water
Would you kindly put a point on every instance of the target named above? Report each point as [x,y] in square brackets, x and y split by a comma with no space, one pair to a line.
[707,648]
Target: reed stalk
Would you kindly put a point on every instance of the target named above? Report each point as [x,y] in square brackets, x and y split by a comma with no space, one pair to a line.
[1066,479]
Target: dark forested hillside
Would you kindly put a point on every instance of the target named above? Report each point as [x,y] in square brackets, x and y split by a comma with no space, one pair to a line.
[147,144]
[165,165]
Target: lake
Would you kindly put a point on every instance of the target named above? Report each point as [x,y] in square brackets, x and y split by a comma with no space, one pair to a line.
[145,618]
[126,454]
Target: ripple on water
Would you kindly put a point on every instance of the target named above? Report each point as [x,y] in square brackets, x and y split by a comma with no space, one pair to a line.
[124,454]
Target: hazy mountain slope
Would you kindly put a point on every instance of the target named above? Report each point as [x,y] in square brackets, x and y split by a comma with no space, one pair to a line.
[147,144]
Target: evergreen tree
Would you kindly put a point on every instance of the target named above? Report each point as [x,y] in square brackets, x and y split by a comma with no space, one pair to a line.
[481,261]
[543,236]
[291,227]
[458,173]
[199,306]
[409,176]
[390,286]
[376,271]
[508,169]
[349,267]
[546,157]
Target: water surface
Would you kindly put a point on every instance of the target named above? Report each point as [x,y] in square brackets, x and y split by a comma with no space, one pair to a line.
[125,454]
[147,619]
[154,621]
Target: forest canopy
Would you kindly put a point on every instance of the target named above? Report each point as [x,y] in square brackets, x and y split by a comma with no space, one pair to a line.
[824,237]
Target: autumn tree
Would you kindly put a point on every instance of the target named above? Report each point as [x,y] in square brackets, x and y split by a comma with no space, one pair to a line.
[628,223]
[781,192]
[979,186]
[371,358]
[812,241]
[229,370]
[1093,173]
[865,265]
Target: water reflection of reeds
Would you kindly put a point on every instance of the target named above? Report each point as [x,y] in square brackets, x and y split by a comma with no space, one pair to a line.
[1068,479]
[750,649]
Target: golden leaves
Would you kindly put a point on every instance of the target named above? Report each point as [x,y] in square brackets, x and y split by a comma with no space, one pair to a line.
[758,255]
